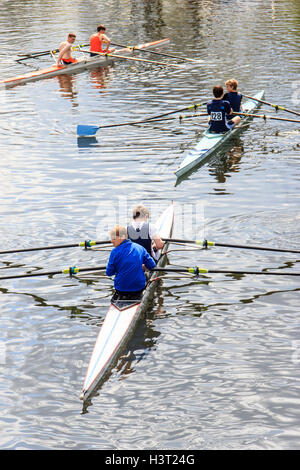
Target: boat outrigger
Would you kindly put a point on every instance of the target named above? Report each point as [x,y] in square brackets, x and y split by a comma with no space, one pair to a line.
[210,143]
[82,64]
[122,317]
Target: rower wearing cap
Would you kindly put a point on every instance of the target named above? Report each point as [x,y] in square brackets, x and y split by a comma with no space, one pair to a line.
[144,233]
[126,263]
[65,57]
[218,110]
[99,42]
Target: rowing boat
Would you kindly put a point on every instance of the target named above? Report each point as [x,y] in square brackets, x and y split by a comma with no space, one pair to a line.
[82,64]
[122,317]
[209,142]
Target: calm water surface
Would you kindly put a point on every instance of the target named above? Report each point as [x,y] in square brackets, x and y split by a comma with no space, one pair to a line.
[215,362]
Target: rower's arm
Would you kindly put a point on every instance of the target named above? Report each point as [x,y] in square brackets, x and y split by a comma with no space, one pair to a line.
[158,242]
[110,268]
[149,261]
[62,53]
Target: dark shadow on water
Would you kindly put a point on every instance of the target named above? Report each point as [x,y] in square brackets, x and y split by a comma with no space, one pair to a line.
[84,142]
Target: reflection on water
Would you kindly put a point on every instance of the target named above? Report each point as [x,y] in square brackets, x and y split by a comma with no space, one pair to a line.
[66,84]
[101,78]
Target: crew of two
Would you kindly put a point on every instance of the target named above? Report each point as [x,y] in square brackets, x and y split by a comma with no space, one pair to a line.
[136,248]
[99,44]
[221,108]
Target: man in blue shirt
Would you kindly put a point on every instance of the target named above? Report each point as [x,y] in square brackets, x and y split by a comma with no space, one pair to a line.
[126,263]
[218,110]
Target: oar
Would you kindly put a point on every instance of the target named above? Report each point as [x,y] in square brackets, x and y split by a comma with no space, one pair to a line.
[86,244]
[136,59]
[34,55]
[71,271]
[276,106]
[196,270]
[187,108]
[84,130]
[158,53]
[263,116]
[206,243]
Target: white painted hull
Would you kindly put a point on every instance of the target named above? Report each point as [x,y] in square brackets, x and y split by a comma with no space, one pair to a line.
[82,64]
[209,143]
[119,324]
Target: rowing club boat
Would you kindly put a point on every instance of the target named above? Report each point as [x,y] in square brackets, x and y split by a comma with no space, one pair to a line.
[122,317]
[82,64]
[209,143]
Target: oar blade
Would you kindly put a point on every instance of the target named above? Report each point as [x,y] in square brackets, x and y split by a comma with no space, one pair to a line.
[86,131]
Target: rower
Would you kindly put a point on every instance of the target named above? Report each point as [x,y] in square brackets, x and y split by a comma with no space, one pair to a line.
[234,98]
[218,110]
[65,57]
[99,42]
[126,263]
[144,233]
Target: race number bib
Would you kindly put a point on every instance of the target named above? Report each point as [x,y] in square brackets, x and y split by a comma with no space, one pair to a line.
[216,116]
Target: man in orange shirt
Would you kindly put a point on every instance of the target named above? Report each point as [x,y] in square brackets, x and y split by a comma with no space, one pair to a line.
[99,42]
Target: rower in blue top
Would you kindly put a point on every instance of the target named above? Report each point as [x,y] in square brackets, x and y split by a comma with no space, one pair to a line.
[234,98]
[219,111]
[126,262]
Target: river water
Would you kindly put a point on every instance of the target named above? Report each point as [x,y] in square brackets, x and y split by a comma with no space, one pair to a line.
[215,362]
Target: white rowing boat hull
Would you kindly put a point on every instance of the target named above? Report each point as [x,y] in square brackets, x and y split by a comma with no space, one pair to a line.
[119,324]
[209,143]
[82,64]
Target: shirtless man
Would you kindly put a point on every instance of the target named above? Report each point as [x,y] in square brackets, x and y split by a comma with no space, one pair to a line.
[65,57]
[99,42]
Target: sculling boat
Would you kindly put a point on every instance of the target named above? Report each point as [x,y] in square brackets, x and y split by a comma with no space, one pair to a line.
[122,317]
[82,64]
[209,143]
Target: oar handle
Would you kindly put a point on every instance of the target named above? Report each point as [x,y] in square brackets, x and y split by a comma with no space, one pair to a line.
[276,106]
[85,244]
[206,243]
[196,271]
[163,54]
[70,271]
[136,59]
[263,116]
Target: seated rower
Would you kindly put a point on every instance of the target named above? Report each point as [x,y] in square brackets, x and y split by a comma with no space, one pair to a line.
[126,263]
[218,110]
[144,233]
[99,42]
[234,98]
[65,57]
